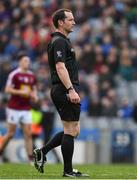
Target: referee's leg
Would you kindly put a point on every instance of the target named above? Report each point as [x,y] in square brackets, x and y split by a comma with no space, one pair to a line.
[71,130]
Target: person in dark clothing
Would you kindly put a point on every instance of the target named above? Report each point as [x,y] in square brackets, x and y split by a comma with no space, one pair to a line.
[64,93]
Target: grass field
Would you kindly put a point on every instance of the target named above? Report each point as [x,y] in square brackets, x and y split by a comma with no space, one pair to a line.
[23,171]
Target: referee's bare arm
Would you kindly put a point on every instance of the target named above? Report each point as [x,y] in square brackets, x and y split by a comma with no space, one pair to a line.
[65,79]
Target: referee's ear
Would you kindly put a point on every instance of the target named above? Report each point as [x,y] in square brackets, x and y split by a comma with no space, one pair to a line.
[60,22]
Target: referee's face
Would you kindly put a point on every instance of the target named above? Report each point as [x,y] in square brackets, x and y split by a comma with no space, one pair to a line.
[68,22]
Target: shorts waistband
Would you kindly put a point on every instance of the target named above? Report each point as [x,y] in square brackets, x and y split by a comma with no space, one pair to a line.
[75,84]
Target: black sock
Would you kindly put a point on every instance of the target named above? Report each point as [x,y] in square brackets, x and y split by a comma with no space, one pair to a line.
[67,148]
[52,143]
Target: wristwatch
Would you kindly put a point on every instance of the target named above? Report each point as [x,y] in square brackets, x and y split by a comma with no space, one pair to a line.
[70,88]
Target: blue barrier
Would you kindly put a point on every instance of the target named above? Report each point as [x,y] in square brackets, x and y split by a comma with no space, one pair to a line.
[122,145]
[85,134]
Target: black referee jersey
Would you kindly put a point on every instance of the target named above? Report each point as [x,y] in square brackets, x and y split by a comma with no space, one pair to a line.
[60,50]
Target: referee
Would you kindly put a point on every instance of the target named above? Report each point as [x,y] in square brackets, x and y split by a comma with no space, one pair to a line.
[64,92]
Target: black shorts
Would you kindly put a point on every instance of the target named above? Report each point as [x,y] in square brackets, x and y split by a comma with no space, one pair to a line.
[68,111]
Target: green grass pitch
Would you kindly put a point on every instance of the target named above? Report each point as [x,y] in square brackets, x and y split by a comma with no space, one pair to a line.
[24,171]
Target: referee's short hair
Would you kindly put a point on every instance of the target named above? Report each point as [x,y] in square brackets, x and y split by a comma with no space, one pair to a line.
[59,15]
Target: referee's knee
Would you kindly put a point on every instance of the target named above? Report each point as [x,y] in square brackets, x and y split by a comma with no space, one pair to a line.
[72,129]
[74,133]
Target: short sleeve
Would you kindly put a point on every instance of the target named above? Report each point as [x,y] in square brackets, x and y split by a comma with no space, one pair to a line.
[60,50]
[11,80]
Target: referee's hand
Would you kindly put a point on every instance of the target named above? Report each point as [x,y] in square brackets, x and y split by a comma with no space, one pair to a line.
[73,96]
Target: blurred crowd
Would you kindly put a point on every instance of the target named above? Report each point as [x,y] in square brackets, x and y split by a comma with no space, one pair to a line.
[105,40]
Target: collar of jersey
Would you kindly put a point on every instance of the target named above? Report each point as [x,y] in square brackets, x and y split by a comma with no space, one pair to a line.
[58,34]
